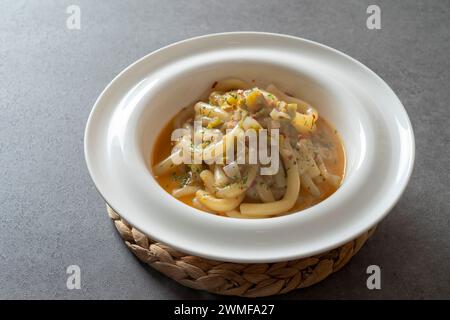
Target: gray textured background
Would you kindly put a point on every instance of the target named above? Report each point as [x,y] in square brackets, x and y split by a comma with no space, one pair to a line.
[51,216]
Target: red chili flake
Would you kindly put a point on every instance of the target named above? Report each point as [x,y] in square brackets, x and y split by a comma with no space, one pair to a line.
[214,85]
[253,80]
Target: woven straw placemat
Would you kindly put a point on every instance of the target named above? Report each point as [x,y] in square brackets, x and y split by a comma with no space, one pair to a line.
[236,279]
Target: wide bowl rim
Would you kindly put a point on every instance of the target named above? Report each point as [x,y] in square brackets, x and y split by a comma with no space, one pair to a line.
[405,179]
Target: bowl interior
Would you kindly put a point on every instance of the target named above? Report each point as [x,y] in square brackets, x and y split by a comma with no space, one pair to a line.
[163,101]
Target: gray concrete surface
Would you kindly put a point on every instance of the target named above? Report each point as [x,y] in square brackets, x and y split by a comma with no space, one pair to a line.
[51,216]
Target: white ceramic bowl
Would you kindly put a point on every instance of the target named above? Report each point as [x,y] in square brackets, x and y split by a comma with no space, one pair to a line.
[132,110]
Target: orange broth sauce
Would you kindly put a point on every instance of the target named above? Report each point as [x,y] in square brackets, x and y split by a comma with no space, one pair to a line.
[324,134]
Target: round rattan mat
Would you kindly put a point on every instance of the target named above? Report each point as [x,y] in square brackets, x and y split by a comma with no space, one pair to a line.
[236,279]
